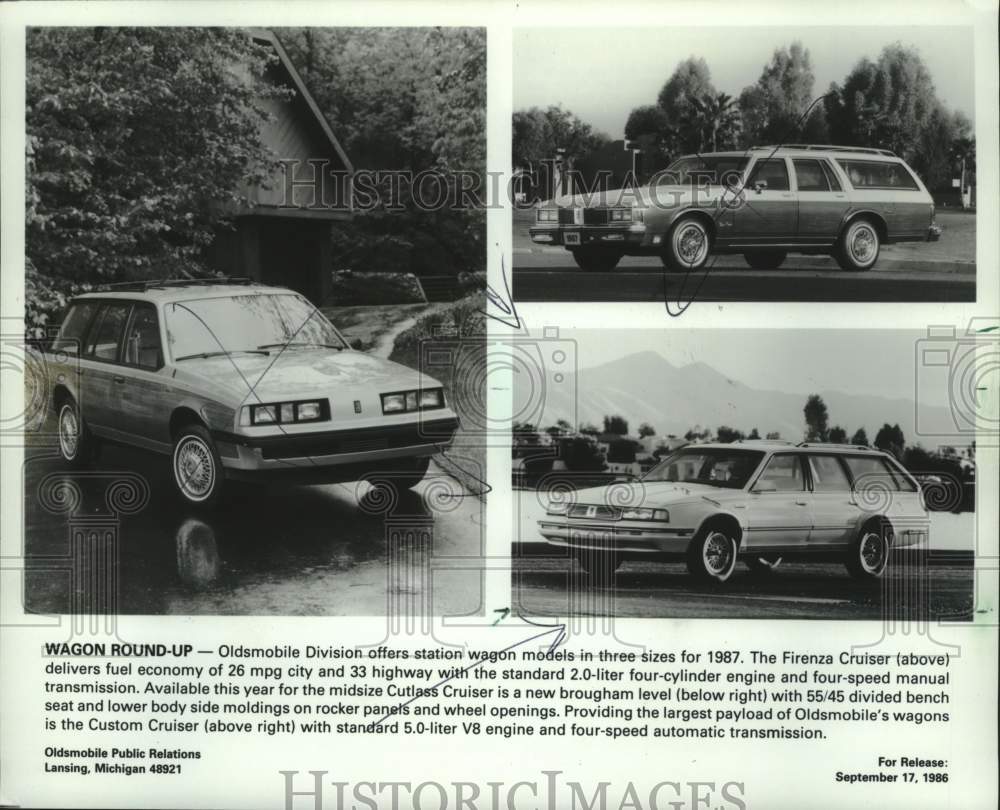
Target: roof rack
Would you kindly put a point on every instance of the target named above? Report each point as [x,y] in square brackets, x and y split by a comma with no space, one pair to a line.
[831,148]
[142,286]
[763,441]
[839,446]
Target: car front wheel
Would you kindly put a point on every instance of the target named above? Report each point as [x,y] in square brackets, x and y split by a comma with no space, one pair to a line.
[597,259]
[765,259]
[688,245]
[197,470]
[858,246]
[712,555]
[77,444]
[869,554]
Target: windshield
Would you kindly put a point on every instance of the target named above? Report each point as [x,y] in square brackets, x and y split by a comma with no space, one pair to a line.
[714,467]
[712,170]
[246,323]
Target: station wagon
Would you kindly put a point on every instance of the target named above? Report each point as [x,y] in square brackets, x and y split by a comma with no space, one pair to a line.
[761,502]
[237,380]
[764,203]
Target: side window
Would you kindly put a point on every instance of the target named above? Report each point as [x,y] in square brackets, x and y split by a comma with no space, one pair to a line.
[810,175]
[783,473]
[74,325]
[878,174]
[142,340]
[871,471]
[831,176]
[106,336]
[828,474]
[774,172]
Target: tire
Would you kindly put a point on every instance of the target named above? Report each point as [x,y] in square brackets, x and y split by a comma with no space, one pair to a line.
[765,259]
[597,259]
[196,469]
[689,243]
[858,247]
[762,564]
[411,473]
[599,566]
[77,445]
[712,554]
[868,556]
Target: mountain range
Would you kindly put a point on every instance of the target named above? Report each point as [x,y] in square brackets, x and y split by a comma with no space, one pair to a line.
[646,387]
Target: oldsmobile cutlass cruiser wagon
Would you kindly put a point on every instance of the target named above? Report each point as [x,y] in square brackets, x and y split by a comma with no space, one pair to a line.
[712,504]
[765,203]
[237,380]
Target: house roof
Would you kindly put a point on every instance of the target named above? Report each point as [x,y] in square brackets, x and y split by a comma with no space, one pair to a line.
[267,35]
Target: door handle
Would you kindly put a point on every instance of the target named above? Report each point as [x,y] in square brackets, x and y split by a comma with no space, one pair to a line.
[119,379]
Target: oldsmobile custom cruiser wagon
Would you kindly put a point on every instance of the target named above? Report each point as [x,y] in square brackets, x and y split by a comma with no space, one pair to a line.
[760,502]
[765,203]
[237,380]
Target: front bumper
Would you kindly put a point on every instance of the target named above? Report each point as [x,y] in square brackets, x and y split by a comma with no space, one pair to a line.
[573,236]
[336,454]
[632,537]
[933,233]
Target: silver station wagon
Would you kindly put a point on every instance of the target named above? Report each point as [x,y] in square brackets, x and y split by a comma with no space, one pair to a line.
[765,203]
[237,380]
[712,504]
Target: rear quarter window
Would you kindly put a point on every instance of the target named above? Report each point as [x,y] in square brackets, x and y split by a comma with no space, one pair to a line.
[878,174]
[74,327]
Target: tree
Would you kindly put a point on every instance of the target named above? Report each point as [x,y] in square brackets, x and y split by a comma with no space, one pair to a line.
[890,439]
[691,80]
[860,437]
[754,434]
[718,117]
[774,109]
[589,429]
[727,434]
[137,140]
[581,453]
[837,435]
[616,425]
[621,451]
[537,133]
[774,436]
[816,419]
[646,429]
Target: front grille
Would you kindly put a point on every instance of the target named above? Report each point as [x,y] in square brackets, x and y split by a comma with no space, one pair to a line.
[592,512]
[595,216]
[566,216]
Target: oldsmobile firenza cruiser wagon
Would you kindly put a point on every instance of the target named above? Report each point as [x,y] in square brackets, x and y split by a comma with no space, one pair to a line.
[712,504]
[765,203]
[237,380]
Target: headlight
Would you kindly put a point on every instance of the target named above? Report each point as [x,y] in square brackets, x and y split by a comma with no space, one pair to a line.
[661,515]
[547,215]
[621,214]
[557,509]
[416,400]
[285,413]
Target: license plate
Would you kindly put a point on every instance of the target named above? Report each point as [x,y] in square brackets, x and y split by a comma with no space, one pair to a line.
[572,238]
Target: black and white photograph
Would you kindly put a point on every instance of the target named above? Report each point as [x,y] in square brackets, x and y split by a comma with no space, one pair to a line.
[239,400]
[748,474]
[760,163]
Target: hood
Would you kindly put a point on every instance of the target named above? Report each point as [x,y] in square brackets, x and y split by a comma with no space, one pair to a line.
[662,195]
[652,494]
[299,373]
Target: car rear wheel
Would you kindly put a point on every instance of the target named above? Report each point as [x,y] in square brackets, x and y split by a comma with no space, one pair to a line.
[712,555]
[765,259]
[197,470]
[597,259]
[77,444]
[688,245]
[760,564]
[858,246]
[868,556]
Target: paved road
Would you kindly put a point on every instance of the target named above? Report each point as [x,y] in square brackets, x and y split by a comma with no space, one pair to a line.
[315,550]
[546,586]
[552,277]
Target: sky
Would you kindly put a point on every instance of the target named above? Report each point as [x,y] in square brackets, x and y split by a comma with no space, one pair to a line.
[601,74]
[875,362]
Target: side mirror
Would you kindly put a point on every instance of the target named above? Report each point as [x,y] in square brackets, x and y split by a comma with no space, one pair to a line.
[760,185]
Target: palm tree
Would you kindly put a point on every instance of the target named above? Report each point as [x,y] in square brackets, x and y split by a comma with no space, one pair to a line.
[718,117]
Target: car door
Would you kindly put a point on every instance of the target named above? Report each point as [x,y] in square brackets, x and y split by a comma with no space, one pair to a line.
[102,370]
[769,211]
[778,514]
[835,511]
[823,203]
[142,388]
